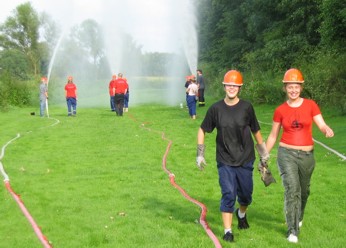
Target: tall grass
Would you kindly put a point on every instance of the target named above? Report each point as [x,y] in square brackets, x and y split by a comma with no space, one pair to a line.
[97,181]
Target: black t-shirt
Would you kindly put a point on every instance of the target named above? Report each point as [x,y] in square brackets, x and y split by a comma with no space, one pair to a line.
[235,125]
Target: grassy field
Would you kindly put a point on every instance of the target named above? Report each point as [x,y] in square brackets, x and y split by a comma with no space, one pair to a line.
[97,180]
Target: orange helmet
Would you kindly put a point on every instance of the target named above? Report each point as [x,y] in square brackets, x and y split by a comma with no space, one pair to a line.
[233,77]
[69,78]
[43,79]
[293,76]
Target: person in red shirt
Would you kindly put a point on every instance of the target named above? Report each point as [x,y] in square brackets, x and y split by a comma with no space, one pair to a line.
[71,97]
[295,157]
[119,89]
[111,92]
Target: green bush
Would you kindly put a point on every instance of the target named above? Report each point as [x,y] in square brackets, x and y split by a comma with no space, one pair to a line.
[14,92]
[325,79]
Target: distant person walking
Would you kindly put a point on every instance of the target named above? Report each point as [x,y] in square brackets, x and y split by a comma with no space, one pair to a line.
[120,89]
[111,92]
[191,98]
[71,97]
[295,156]
[43,95]
[236,123]
[201,88]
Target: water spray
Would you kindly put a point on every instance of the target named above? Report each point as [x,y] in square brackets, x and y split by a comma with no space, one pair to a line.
[50,67]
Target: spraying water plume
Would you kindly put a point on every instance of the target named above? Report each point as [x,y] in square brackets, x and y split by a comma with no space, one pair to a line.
[154,51]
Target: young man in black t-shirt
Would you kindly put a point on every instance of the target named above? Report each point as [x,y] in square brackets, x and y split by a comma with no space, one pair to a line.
[236,123]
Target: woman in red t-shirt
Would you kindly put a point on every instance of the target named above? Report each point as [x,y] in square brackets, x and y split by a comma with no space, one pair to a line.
[71,97]
[295,153]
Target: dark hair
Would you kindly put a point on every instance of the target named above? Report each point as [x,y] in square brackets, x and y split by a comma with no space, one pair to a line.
[199,70]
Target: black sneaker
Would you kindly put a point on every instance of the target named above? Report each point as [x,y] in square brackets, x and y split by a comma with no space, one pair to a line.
[228,237]
[242,222]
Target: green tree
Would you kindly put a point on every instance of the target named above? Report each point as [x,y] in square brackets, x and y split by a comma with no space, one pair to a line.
[21,32]
[15,63]
[333,27]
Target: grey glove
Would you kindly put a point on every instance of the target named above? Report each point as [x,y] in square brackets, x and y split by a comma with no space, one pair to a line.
[263,153]
[200,161]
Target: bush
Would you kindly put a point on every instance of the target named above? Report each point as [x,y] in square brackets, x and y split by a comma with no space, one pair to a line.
[259,92]
[325,79]
[15,92]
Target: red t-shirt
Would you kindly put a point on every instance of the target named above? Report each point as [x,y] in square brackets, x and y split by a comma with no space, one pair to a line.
[297,122]
[111,87]
[120,86]
[71,90]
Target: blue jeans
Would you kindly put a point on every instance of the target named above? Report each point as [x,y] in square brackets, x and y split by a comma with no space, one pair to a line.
[71,106]
[191,103]
[126,100]
[42,107]
[235,181]
[112,103]
[296,168]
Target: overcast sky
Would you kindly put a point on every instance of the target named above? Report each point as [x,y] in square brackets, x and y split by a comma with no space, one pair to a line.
[152,23]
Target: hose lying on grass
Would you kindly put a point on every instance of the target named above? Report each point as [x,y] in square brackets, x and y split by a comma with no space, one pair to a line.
[20,203]
[202,219]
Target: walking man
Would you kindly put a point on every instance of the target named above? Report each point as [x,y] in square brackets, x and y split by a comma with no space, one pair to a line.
[120,89]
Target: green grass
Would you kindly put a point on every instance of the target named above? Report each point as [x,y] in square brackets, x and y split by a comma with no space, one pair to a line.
[97,181]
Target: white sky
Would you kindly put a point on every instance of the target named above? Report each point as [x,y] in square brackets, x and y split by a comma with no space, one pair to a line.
[152,23]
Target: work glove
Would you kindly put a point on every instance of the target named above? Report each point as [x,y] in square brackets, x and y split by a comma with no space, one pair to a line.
[263,153]
[200,161]
[266,175]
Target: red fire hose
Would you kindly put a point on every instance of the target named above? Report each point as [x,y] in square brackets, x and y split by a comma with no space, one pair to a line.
[16,197]
[202,219]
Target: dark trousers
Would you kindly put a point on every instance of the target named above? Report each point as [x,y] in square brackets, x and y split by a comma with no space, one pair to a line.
[119,104]
[201,101]
[236,184]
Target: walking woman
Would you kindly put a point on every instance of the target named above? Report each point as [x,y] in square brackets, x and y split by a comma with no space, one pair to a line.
[295,156]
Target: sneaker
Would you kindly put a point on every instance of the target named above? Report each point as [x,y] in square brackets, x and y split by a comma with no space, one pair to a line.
[300,223]
[292,238]
[242,222]
[228,237]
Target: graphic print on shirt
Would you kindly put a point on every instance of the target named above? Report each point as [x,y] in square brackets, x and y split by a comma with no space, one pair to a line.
[296,124]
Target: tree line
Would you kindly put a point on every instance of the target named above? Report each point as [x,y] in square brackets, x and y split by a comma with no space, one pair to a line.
[260,38]
[28,40]
[265,38]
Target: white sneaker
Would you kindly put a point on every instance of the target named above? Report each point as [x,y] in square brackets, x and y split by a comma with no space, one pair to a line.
[300,223]
[292,238]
